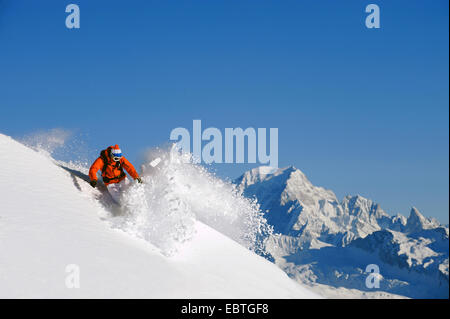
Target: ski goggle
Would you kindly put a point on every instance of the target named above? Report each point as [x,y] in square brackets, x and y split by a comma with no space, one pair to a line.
[116,156]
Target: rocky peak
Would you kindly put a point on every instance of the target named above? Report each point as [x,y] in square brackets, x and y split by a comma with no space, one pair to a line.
[417,222]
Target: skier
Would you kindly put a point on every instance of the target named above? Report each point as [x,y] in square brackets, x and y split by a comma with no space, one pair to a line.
[112,164]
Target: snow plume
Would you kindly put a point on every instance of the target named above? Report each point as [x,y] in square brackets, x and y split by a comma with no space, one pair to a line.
[176,193]
[46,141]
[60,144]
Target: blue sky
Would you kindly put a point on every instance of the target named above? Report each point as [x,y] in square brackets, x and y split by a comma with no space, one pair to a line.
[360,111]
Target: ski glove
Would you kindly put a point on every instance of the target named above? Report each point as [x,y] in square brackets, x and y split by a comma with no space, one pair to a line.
[93,183]
[139,180]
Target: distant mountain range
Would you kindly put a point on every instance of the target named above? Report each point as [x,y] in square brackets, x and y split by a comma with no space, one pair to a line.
[327,244]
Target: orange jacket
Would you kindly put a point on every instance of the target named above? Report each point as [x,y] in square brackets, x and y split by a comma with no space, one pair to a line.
[113,170]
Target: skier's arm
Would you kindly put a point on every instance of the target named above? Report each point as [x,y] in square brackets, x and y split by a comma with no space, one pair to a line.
[129,168]
[96,166]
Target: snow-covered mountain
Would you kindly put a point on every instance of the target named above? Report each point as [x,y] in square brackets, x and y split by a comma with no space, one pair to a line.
[321,241]
[57,234]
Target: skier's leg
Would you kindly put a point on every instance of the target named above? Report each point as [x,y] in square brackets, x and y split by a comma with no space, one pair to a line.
[114,191]
[117,189]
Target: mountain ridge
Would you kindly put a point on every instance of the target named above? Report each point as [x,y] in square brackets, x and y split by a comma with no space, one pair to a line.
[307,218]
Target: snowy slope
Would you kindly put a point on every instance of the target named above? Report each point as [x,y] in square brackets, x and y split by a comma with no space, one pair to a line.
[325,243]
[51,218]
